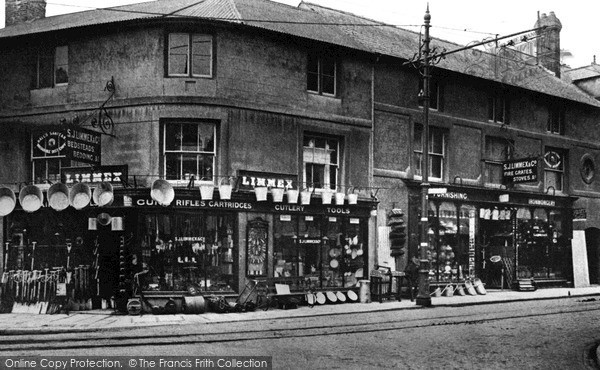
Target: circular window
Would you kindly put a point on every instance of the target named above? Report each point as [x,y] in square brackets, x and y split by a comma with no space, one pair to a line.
[588,169]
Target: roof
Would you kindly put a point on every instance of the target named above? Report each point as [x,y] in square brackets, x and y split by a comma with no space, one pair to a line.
[319,23]
[582,73]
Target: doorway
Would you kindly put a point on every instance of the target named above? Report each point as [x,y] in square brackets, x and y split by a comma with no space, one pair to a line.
[592,240]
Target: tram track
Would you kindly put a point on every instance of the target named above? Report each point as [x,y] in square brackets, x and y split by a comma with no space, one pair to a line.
[276,329]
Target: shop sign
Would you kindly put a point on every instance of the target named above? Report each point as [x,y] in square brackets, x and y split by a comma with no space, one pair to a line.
[51,142]
[542,202]
[195,203]
[83,145]
[519,171]
[248,180]
[579,214]
[312,241]
[450,195]
[112,174]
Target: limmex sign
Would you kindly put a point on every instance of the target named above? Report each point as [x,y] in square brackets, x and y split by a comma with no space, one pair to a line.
[519,171]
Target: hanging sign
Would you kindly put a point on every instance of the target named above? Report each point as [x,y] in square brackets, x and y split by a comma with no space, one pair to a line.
[112,174]
[519,171]
[83,145]
[248,180]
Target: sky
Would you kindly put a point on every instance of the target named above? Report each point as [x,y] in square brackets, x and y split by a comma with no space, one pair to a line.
[460,21]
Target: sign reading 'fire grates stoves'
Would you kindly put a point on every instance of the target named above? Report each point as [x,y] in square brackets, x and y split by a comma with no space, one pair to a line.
[518,171]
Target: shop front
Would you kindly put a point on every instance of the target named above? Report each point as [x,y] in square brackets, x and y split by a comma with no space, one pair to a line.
[498,236]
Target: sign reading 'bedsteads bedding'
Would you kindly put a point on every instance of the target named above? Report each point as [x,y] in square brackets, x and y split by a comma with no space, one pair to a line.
[522,170]
[83,145]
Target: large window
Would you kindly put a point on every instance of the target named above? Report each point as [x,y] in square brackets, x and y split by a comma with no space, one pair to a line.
[435,94]
[437,152]
[321,161]
[189,150]
[554,169]
[321,74]
[51,67]
[190,55]
[498,108]
[48,156]
[497,150]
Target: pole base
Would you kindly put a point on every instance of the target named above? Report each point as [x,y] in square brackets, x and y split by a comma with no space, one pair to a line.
[423,301]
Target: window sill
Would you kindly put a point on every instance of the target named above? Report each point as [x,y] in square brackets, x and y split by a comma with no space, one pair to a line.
[316,93]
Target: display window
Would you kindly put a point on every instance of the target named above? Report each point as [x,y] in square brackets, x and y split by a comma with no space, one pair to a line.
[187,251]
[328,251]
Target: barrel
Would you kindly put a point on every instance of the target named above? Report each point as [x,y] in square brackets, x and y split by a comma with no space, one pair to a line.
[194,304]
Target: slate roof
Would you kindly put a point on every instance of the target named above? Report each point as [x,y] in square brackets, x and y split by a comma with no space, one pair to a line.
[315,22]
[582,73]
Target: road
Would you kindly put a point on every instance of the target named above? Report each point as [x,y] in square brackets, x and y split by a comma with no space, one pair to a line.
[547,334]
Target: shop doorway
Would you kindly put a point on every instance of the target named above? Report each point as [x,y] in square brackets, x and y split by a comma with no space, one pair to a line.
[592,241]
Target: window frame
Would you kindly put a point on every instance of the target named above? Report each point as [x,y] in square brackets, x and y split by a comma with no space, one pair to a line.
[327,166]
[319,73]
[434,92]
[556,117]
[488,161]
[189,55]
[46,57]
[418,151]
[560,170]
[46,159]
[494,101]
[164,151]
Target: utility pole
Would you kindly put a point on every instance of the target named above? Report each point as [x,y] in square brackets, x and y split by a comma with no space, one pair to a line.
[423,297]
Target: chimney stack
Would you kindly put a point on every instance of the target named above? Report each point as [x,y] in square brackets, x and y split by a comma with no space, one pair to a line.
[548,42]
[20,11]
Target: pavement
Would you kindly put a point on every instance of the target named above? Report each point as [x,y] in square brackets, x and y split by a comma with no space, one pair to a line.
[97,320]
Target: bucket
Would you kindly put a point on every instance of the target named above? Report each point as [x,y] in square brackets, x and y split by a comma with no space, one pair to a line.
[364,292]
[352,198]
[162,192]
[8,200]
[305,197]
[207,190]
[339,198]
[225,191]
[277,194]
[103,194]
[58,196]
[326,197]
[194,305]
[80,195]
[292,196]
[31,198]
[261,193]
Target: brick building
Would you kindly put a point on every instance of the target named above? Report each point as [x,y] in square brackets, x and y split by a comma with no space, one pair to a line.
[298,100]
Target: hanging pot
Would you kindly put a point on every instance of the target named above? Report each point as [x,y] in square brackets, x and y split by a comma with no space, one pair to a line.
[58,196]
[277,194]
[8,200]
[261,193]
[80,195]
[339,198]
[292,196]
[162,192]
[305,196]
[31,198]
[207,190]
[103,194]
[225,190]
[326,196]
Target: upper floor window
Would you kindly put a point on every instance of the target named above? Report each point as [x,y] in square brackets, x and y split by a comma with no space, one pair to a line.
[435,94]
[497,150]
[321,161]
[190,55]
[498,108]
[189,150]
[437,151]
[556,119]
[51,67]
[554,168]
[321,74]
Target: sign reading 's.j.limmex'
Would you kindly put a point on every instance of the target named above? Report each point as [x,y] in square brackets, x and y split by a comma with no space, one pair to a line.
[519,171]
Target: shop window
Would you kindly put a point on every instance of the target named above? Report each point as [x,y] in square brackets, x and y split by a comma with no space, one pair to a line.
[321,74]
[321,156]
[48,157]
[497,150]
[498,108]
[189,150]
[327,251]
[435,94]
[51,67]
[186,251]
[554,169]
[190,55]
[556,119]
[437,152]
